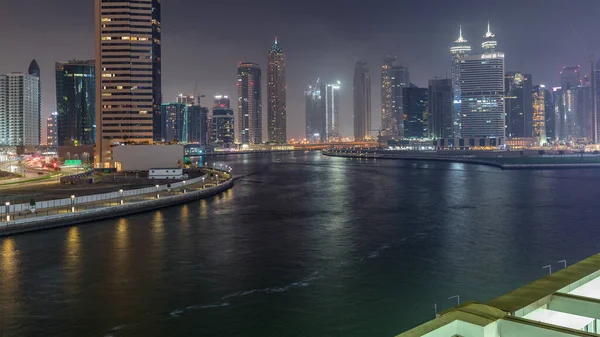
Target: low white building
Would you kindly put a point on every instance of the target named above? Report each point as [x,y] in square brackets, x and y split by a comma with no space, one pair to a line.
[166,173]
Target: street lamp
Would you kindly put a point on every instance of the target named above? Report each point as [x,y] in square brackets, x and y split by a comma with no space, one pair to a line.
[184,187]
[72,203]
[203,183]
[7,204]
[217,176]
[121,192]
[157,195]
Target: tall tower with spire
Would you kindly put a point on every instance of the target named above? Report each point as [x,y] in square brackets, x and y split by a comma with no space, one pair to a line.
[489,41]
[459,50]
[276,95]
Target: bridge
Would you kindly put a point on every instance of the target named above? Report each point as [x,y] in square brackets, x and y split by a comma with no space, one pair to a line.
[340,145]
[565,303]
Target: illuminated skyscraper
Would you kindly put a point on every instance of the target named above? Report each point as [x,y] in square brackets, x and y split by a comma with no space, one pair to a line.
[518,104]
[415,107]
[174,122]
[222,102]
[276,92]
[248,125]
[186,99]
[362,101]
[76,102]
[595,62]
[34,70]
[332,111]
[441,116]
[459,51]
[565,101]
[316,117]
[19,110]
[539,112]
[482,96]
[489,41]
[570,77]
[128,74]
[400,81]
[387,116]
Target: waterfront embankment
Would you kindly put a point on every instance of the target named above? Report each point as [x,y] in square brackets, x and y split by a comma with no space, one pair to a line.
[506,160]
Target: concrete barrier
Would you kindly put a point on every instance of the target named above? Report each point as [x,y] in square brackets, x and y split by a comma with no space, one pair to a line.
[69,219]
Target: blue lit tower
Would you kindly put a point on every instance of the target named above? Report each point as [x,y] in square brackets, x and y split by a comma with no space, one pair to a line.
[459,50]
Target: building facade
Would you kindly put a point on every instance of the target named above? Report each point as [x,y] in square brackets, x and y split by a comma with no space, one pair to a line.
[276,95]
[52,130]
[128,74]
[19,110]
[387,117]
[459,51]
[415,106]
[222,102]
[566,121]
[400,80]
[249,121]
[196,126]
[76,102]
[539,113]
[441,109]
[174,122]
[482,96]
[332,111]
[34,70]
[222,128]
[518,102]
[595,83]
[315,113]
[362,101]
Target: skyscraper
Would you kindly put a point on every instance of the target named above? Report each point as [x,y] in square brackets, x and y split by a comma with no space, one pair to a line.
[362,101]
[332,111]
[482,96]
[19,110]
[539,112]
[315,112]
[34,70]
[276,91]
[52,130]
[197,125]
[595,79]
[186,99]
[222,127]
[76,102]
[567,128]
[570,77]
[128,74]
[400,80]
[519,105]
[387,116]
[441,110]
[174,120]
[249,123]
[459,51]
[415,106]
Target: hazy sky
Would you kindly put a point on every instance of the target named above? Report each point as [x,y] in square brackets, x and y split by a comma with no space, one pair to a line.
[203,41]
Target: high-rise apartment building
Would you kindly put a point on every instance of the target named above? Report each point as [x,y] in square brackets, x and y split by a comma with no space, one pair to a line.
[518,102]
[19,110]
[196,127]
[482,96]
[52,130]
[362,101]
[387,116]
[539,112]
[415,106]
[128,74]
[76,102]
[441,110]
[222,127]
[570,77]
[595,82]
[249,122]
[400,80]
[187,99]
[276,95]
[459,51]
[174,124]
[315,113]
[332,111]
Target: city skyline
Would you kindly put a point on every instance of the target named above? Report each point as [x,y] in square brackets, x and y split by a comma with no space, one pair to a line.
[333,53]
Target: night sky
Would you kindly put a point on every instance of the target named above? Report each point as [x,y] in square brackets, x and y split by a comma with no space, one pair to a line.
[203,41]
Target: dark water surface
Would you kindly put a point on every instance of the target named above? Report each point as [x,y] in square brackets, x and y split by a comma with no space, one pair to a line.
[309,246]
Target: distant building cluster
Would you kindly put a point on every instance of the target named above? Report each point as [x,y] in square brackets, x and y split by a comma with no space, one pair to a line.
[117,99]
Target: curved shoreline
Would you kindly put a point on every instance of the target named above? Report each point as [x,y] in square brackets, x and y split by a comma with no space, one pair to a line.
[455,159]
[81,217]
